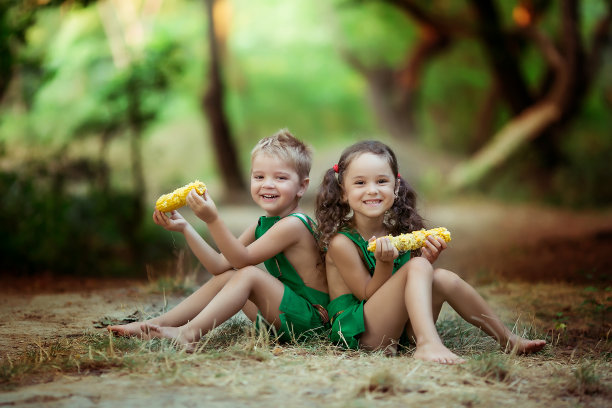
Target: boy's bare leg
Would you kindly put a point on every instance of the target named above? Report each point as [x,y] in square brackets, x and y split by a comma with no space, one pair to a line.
[408,295]
[466,301]
[250,283]
[181,313]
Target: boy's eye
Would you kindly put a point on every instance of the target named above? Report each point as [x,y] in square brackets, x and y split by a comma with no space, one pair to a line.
[257,177]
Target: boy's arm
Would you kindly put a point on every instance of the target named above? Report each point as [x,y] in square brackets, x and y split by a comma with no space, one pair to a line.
[283,234]
[239,253]
[347,259]
[213,261]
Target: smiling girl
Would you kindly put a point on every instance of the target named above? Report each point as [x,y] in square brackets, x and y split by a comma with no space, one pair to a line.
[383,298]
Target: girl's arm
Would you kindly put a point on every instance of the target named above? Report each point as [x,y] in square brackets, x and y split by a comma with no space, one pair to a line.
[347,258]
[432,249]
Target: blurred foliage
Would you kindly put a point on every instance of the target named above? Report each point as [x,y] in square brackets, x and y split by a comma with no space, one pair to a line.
[69,101]
[84,233]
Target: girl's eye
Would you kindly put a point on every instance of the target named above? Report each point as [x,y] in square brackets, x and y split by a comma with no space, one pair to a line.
[359,182]
[382,181]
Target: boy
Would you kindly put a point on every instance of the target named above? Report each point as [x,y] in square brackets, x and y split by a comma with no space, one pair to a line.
[292,296]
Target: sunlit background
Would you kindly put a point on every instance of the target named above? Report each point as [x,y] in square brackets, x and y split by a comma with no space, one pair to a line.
[105,105]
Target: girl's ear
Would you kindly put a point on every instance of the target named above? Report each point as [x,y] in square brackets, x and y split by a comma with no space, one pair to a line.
[303,187]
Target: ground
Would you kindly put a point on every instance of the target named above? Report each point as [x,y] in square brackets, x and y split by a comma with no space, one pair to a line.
[541,268]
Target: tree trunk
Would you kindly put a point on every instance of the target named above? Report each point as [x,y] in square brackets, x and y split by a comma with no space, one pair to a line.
[213,104]
[502,58]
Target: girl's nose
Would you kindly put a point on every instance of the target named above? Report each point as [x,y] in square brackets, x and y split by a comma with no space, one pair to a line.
[372,188]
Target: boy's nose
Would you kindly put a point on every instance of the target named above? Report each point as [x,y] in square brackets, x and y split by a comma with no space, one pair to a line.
[268,182]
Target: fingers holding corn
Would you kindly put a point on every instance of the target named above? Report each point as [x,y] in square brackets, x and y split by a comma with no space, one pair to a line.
[385,250]
[415,239]
[203,206]
[177,198]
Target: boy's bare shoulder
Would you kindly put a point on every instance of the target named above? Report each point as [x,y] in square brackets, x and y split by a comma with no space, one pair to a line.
[292,224]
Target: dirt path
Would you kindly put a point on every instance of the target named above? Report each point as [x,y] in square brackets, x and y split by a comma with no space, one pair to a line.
[525,243]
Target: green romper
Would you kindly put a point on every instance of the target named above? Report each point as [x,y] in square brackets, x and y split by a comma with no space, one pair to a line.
[302,308]
[346,310]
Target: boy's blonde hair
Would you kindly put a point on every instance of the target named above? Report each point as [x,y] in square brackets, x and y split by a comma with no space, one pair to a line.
[285,146]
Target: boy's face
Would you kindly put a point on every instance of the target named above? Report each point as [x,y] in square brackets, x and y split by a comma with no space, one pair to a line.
[275,185]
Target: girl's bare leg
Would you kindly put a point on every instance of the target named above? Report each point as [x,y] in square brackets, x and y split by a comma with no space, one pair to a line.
[250,283]
[466,301]
[406,297]
[184,311]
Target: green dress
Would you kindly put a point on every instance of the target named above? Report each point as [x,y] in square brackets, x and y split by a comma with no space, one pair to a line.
[346,310]
[303,309]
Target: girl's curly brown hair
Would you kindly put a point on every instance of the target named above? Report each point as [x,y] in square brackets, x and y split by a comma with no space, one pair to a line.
[333,214]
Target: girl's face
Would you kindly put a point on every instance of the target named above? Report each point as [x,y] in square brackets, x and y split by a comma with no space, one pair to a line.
[369,186]
[275,185]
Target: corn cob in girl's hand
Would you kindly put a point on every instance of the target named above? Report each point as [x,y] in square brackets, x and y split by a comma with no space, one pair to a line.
[414,240]
[176,199]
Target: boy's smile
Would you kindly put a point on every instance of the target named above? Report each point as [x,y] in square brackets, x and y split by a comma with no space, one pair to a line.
[275,185]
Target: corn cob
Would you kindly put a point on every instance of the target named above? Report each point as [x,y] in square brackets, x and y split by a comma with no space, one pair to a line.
[176,199]
[414,240]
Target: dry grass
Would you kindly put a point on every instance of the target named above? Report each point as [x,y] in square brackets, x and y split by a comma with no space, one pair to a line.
[249,365]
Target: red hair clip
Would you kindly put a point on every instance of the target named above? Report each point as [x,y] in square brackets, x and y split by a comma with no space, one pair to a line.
[399,175]
[335,167]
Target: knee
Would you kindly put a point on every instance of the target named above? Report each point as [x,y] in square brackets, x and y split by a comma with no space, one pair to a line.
[418,266]
[247,273]
[445,281]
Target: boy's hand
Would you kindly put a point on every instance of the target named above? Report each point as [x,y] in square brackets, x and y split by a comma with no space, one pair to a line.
[202,206]
[175,222]
[433,247]
[385,250]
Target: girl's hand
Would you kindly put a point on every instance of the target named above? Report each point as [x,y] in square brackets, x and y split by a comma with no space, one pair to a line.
[385,250]
[433,248]
[202,206]
[175,222]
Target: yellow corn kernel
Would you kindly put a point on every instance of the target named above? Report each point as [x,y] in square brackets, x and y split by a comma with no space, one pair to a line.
[414,240]
[176,199]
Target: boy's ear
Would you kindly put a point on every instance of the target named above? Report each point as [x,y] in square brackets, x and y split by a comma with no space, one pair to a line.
[303,186]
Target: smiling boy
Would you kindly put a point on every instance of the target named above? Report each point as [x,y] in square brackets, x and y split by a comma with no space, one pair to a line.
[292,295]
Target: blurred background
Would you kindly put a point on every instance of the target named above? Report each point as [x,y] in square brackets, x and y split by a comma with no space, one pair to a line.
[105,105]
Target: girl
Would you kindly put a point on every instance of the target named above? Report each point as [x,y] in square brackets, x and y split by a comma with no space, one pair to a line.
[380,298]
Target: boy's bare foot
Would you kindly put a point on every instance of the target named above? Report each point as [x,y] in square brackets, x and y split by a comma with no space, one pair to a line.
[173,333]
[524,346]
[133,329]
[437,353]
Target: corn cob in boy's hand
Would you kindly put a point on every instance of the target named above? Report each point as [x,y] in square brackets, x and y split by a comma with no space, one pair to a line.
[176,199]
[414,240]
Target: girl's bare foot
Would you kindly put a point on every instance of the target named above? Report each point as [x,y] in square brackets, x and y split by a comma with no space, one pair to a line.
[133,329]
[521,345]
[173,333]
[437,353]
